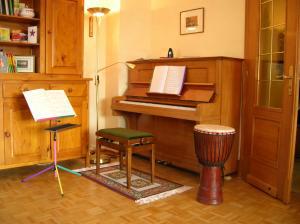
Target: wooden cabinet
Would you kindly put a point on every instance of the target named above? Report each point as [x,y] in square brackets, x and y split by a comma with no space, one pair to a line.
[64,36]
[25,141]
[58,65]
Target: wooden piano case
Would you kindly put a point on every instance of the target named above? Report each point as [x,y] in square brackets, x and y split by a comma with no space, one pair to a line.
[211,94]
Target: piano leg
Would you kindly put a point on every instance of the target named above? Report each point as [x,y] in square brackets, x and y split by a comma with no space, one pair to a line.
[131,120]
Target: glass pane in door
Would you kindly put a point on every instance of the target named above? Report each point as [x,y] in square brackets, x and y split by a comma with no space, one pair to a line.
[277,67]
[265,67]
[266,10]
[270,80]
[279,12]
[265,41]
[278,38]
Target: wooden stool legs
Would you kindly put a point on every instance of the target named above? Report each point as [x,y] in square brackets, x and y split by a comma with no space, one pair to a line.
[128,165]
[152,162]
[128,151]
[98,148]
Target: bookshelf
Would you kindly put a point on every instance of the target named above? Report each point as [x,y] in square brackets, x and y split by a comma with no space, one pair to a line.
[17,43]
[19,24]
[19,19]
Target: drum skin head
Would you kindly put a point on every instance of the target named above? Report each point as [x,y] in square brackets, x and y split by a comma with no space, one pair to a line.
[214,129]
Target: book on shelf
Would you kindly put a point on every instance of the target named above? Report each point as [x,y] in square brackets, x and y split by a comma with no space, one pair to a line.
[10,7]
[48,104]
[167,80]
[7,7]
[3,62]
[1,9]
[7,62]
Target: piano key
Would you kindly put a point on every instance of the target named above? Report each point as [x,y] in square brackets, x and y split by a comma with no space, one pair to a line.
[158,105]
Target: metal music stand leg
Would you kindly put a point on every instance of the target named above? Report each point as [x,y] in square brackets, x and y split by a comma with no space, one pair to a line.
[38,173]
[55,166]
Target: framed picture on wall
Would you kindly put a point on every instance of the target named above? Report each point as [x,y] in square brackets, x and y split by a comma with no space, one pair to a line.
[192,21]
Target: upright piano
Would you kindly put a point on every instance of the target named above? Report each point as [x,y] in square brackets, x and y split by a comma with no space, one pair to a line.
[211,94]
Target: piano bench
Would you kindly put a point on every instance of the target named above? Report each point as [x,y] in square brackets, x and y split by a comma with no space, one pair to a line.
[126,141]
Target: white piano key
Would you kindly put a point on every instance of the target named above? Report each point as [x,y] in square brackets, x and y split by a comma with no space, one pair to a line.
[158,105]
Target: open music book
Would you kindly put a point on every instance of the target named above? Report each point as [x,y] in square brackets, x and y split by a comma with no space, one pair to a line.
[48,104]
[167,80]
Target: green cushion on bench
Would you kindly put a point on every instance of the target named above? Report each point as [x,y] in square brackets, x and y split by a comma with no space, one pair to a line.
[124,133]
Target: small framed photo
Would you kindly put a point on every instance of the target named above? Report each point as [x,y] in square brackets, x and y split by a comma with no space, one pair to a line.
[25,63]
[192,21]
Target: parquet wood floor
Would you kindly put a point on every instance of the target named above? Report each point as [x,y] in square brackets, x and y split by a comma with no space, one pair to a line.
[85,202]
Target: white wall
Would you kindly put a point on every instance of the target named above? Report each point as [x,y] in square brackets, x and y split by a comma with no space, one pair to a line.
[146,29]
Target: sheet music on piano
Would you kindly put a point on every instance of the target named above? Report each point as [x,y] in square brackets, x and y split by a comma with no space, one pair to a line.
[167,80]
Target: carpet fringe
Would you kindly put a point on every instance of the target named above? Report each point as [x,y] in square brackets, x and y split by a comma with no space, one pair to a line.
[162,195]
[94,167]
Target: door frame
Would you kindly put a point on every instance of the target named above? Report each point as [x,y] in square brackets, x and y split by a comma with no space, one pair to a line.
[288,187]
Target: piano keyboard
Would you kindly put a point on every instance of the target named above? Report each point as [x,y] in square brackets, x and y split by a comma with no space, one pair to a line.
[158,105]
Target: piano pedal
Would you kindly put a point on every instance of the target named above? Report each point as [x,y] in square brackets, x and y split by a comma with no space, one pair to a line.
[163,162]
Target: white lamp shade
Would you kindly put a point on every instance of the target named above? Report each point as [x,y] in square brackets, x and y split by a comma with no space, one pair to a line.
[113,5]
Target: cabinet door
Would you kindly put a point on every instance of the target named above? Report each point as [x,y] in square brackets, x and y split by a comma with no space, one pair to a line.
[72,143]
[64,36]
[25,141]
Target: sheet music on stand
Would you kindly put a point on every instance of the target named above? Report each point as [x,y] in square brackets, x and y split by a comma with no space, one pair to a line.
[48,104]
[167,80]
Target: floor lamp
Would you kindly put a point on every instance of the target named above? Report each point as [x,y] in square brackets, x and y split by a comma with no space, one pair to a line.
[105,158]
[98,12]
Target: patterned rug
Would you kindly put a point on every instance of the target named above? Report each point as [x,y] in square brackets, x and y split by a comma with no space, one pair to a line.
[142,190]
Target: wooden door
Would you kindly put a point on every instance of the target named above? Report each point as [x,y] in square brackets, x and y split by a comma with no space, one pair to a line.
[73,143]
[269,97]
[25,141]
[64,36]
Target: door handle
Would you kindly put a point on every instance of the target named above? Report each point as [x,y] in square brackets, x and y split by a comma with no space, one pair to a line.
[290,77]
[287,77]
[6,134]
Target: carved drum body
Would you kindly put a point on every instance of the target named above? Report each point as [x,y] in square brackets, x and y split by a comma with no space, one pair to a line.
[212,146]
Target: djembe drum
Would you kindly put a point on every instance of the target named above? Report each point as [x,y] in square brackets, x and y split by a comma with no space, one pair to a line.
[212,146]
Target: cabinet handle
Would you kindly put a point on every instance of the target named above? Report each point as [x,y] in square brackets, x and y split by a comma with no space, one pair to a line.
[7,134]
[49,32]
[70,90]
[63,57]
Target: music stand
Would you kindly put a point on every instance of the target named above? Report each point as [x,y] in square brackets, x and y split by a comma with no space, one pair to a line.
[55,130]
